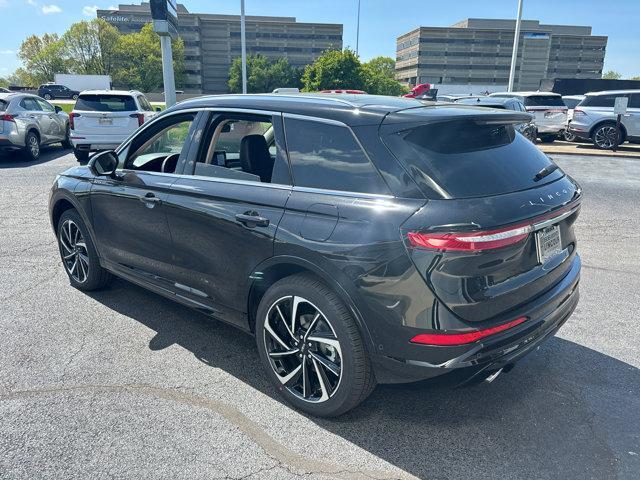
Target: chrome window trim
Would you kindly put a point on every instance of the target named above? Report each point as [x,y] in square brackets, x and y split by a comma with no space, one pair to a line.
[554,220]
[250,183]
[342,193]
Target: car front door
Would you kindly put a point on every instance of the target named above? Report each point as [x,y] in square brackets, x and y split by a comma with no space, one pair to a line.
[129,211]
[224,212]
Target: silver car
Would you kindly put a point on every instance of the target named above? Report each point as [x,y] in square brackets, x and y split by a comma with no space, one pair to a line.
[593,118]
[27,122]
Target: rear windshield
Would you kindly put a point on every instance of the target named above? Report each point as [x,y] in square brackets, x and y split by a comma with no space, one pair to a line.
[571,102]
[464,158]
[543,101]
[106,103]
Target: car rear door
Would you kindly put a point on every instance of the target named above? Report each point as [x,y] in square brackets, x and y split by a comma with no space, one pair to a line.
[632,120]
[224,211]
[105,114]
[129,211]
[32,114]
[52,126]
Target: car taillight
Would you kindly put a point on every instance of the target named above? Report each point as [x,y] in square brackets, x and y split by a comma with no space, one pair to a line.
[483,240]
[450,339]
[469,241]
[72,117]
[578,113]
[139,116]
[8,118]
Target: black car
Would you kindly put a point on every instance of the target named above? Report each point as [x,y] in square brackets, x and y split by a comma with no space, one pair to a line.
[361,239]
[52,91]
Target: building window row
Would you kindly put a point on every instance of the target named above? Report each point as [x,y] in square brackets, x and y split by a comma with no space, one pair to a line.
[266,35]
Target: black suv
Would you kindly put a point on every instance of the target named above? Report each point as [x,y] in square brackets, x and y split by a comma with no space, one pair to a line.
[51,91]
[361,239]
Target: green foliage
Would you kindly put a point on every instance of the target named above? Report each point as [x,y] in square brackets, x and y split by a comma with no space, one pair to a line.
[380,77]
[611,75]
[133,61]
[334,69]
[635,78]
[42,58]
[4,82]
[91,47]
[263,75]
[139,61]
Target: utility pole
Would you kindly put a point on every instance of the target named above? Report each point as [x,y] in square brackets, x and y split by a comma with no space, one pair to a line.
[514,55]
[358,29]
[243,42]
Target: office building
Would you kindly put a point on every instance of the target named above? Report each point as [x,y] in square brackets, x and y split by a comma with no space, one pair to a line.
[478,51]
[213,41]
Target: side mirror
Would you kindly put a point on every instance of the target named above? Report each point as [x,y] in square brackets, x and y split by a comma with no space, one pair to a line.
[58,108]
[104,164]
[158,109]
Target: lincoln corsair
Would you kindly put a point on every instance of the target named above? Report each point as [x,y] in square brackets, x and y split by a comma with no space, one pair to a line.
[360,239]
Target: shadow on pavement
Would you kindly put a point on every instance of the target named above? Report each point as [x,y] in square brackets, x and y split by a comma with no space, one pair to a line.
[15,159]
[565,411]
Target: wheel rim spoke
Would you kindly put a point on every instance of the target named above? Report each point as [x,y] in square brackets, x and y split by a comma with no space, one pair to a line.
[303,349]
[74,251]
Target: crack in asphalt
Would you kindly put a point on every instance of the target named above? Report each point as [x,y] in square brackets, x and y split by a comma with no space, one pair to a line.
[285,458]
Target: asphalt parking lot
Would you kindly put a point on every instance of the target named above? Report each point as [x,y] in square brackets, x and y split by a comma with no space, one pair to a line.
[125,384]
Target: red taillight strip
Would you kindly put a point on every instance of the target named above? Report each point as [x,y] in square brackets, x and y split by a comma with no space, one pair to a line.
[464,338]
[72,117]
[487,240]
[8,118]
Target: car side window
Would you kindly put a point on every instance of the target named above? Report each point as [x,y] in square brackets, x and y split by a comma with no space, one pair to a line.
[634,100]
[248,147]
[45,106]
[160,147]
[30,104]
[144,103]
[328,156]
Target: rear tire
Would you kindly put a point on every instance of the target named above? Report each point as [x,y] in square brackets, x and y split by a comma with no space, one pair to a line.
[568,136]
[604,136]
[333,340]
[48,96]
[547,138]
[66,143]
[78,253]
[32,146]
[81,155]
[74,97]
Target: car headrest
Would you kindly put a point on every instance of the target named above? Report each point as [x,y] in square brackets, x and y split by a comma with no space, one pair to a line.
[255,157]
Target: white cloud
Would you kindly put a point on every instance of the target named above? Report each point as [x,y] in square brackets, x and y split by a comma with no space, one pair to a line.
[32,2]
[49,9]
[90,11]
[7,52]
[112,7]
[4,3]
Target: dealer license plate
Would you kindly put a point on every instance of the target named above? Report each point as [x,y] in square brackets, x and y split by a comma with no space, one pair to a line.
[548,243]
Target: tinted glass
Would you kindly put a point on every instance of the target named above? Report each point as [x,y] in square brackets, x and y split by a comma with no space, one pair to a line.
[46,106]
[106,103]
[543,101]
[462,158]
[144,103]
[600,100]
[328,156]
[30,104]
[571,102]
[634,100]
[3,105]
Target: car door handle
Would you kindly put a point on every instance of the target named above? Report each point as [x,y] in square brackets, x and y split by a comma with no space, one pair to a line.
[252,219]
[150,200]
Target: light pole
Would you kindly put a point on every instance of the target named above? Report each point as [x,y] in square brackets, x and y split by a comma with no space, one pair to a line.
[243,47]
[514,55]
[358,29]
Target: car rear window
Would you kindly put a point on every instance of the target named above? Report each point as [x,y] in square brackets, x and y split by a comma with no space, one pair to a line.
[543,101]
[467,158]
[106,103]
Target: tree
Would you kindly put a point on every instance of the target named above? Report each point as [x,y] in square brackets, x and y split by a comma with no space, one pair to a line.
[334,69]
[138,61]
[91,47]
[43,57]
[379,77]
[263,75]
[611,75]
[635,78]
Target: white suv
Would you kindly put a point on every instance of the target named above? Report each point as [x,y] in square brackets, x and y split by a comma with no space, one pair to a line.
[593,118]
[548,109]
[103,119]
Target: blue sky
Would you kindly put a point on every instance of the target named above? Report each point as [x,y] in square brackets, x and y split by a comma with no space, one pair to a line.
[381,21]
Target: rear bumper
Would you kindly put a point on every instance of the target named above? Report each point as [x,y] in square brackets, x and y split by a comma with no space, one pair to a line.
[545,315]
[96,142]
[551,128]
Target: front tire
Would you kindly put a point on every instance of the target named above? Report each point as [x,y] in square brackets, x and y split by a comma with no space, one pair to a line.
[311,348]
[48,96]
[81,155]
[568,136]
[74,97]
[78,253]
[547,138]
[32,146]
